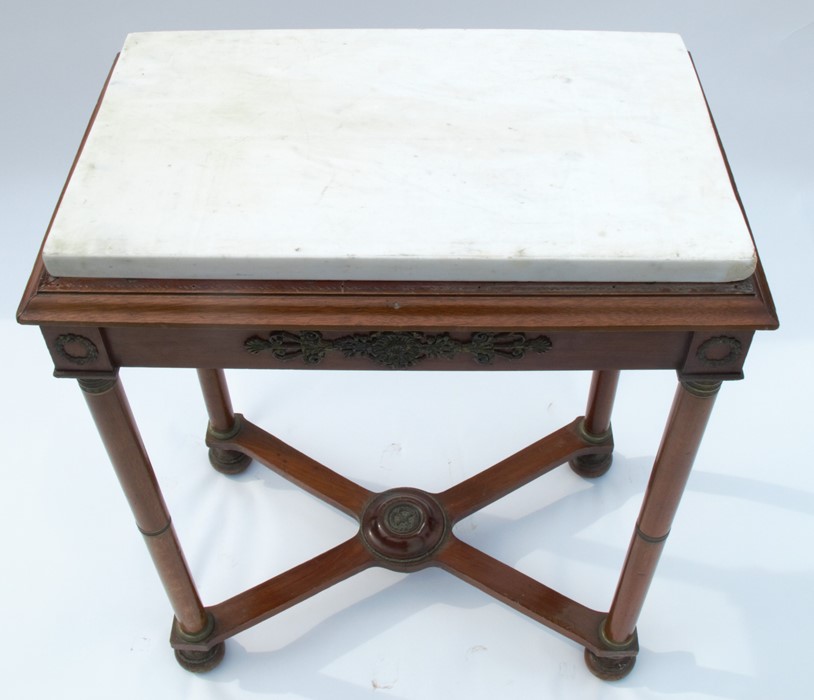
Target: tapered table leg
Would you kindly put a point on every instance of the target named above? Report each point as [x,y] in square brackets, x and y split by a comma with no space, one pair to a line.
[597,424]
[223,423]
[111,412]
[688,419]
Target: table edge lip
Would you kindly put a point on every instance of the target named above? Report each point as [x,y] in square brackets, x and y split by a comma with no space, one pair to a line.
[230,303]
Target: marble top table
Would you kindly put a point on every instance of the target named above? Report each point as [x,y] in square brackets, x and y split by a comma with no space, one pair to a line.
[457,155]
[398,200]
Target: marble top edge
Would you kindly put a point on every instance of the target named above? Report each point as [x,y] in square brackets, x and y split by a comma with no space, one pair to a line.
[412,269]
[599,34]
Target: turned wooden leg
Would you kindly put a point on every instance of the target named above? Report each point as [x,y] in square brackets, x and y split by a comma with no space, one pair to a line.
[111,412]
[597,424]
[223,423]
[682,436]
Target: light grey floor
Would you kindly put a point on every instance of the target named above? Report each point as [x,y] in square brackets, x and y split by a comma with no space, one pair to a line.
[730,613]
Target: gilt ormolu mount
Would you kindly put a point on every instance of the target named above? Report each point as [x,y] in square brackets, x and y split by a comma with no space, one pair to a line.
[397,350]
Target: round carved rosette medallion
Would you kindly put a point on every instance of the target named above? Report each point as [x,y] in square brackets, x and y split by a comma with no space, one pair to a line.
[719,351]
[403,526]
[76,348]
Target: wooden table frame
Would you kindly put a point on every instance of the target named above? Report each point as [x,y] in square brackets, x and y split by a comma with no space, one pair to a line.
[92,327]
[702,331]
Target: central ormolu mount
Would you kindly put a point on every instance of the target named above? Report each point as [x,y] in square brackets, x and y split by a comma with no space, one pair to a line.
[404,527]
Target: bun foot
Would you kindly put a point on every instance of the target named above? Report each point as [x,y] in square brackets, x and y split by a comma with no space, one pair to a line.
[228,461]
[609,669]
[200,661]
[591,466]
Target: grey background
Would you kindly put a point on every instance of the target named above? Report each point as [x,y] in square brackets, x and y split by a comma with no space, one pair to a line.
[736,583]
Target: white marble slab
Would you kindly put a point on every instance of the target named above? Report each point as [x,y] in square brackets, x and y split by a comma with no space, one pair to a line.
[402,154]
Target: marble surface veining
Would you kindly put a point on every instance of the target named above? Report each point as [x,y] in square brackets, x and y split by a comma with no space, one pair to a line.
[402,154]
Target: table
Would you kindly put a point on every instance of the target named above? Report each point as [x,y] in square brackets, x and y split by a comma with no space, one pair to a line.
[408,200]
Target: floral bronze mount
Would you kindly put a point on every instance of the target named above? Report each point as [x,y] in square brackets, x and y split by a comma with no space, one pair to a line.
[396,349]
